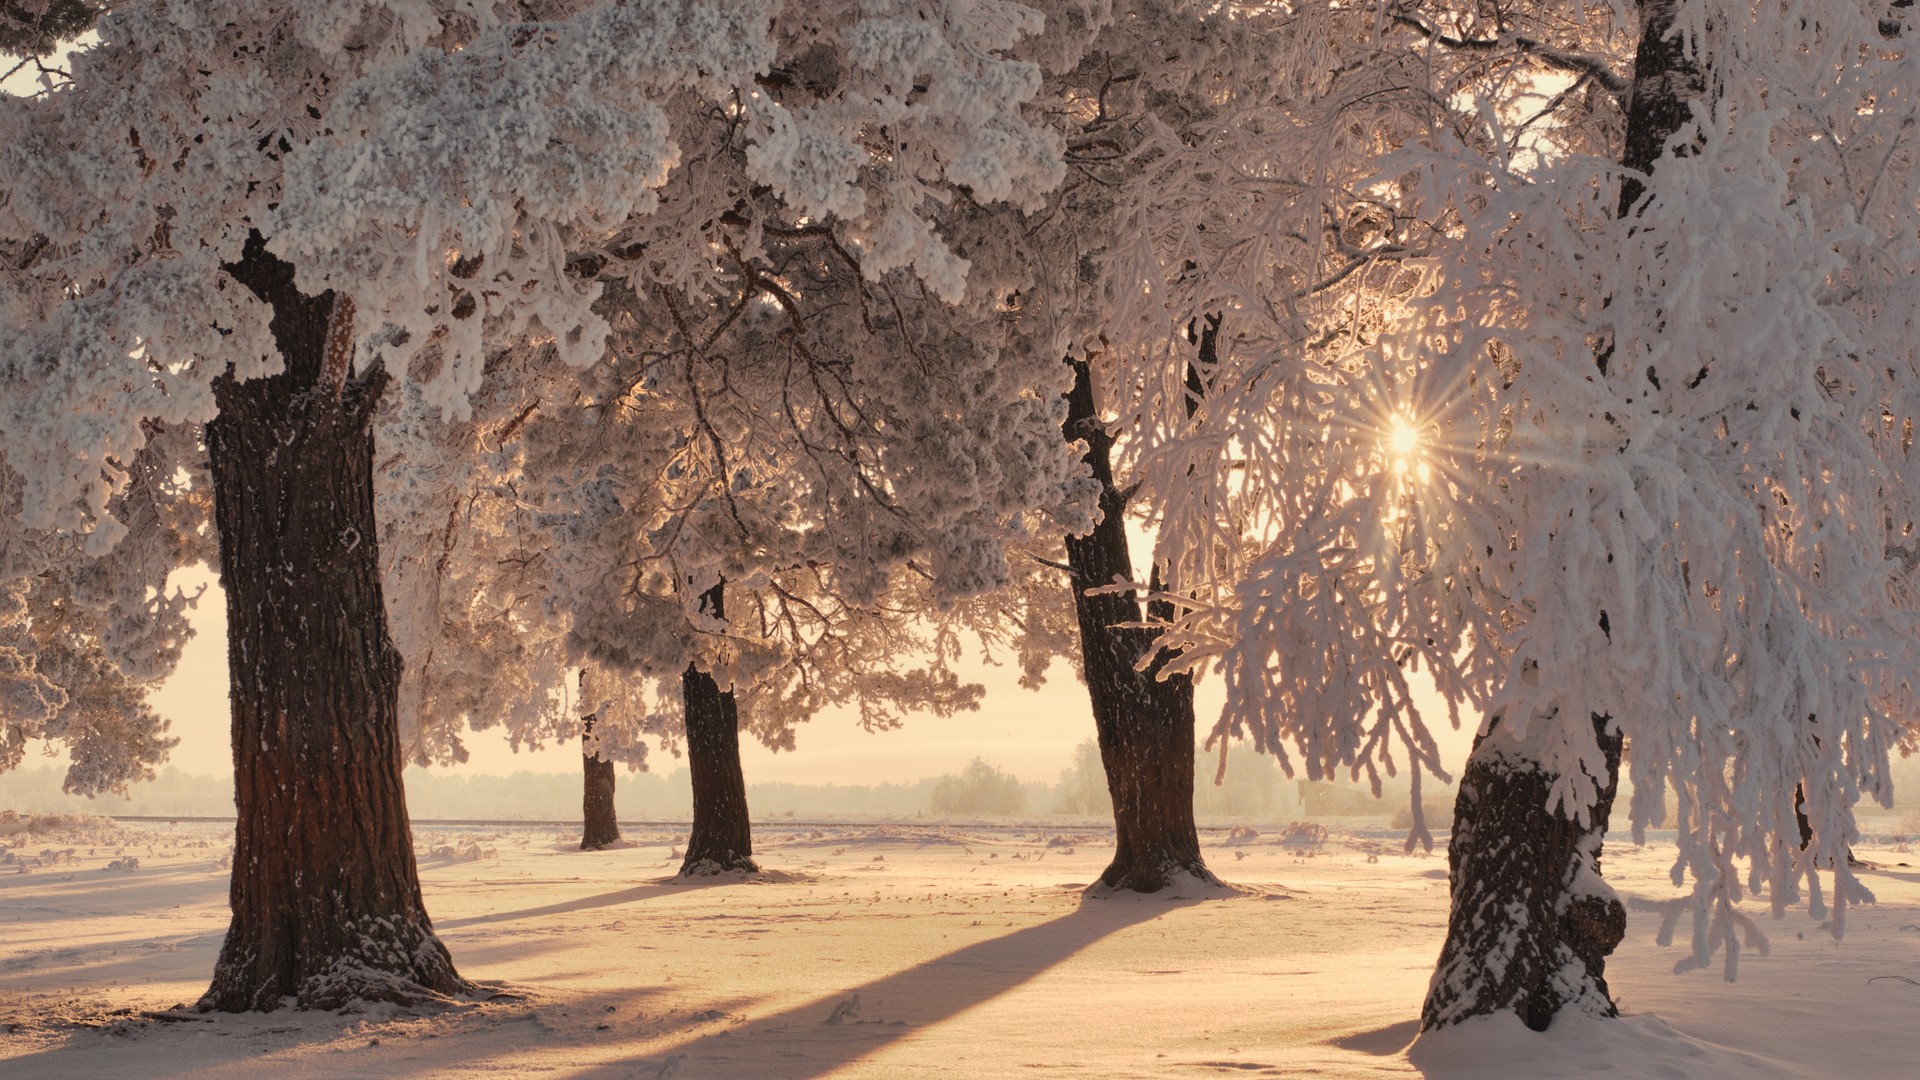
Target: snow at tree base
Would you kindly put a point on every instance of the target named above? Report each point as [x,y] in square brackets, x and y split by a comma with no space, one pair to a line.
[659,373]
[969,947]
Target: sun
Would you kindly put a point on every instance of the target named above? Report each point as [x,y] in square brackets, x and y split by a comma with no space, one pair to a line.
[1405,449]
[1403,439]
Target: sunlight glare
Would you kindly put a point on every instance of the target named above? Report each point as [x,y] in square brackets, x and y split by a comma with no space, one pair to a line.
[1404,450]
[1403,438]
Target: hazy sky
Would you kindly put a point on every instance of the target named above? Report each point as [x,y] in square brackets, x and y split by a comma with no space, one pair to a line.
[1030,734]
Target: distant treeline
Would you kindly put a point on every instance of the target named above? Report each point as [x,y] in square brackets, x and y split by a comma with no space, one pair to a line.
[1254,789]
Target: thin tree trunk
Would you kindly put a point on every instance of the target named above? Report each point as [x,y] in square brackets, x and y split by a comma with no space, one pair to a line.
[600,827]
[721,839]
[325,894]
[1145,725]
[1532,921]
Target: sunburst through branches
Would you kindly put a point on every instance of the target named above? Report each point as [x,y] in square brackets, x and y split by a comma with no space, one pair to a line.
[1403,446]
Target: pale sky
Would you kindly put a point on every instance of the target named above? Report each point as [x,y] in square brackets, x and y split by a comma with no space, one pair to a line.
[1031,734]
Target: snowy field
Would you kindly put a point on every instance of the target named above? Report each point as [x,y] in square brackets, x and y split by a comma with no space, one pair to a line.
[911,951]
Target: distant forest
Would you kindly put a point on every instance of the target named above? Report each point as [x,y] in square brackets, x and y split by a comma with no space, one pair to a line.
[1254,789]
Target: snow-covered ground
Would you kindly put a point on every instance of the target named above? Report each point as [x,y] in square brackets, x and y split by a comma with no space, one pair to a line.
[913,951]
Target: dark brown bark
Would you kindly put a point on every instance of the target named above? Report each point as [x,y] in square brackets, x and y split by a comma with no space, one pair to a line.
[1666,83]
[1800,816]
[1806,827]
[1532,921]
[721,839]
[325,894]
[1145,725]
[600,827]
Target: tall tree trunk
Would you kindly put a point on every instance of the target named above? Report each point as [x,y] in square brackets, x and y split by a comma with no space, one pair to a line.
[721,839]
[600,827]
[1145,725]
[325,893]
[1532,921]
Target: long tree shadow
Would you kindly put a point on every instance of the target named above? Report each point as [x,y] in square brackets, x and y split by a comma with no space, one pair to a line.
[584,903]
[845,1025]
[1389,1041]
[84,1041]
[809,1040]
[60,894]
[1886,871]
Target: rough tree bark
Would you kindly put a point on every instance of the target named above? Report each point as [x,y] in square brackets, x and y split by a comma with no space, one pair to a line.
[1145,725]
[325,894]
[1532,921]
[721,839]
[600,828]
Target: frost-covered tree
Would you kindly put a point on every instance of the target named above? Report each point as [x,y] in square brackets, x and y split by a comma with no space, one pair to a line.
[599,822]
[63,686]
[1507,853]
[567,522]
[1119,75]
[1144,722]
[1083,784]
[461,572]
[258,217]
[1729,484]
[720,838]
[979,790]
[1612,444]
[569,553]
[775,344]
[804,408]
[86,638]
[615,492]
[1215,237]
